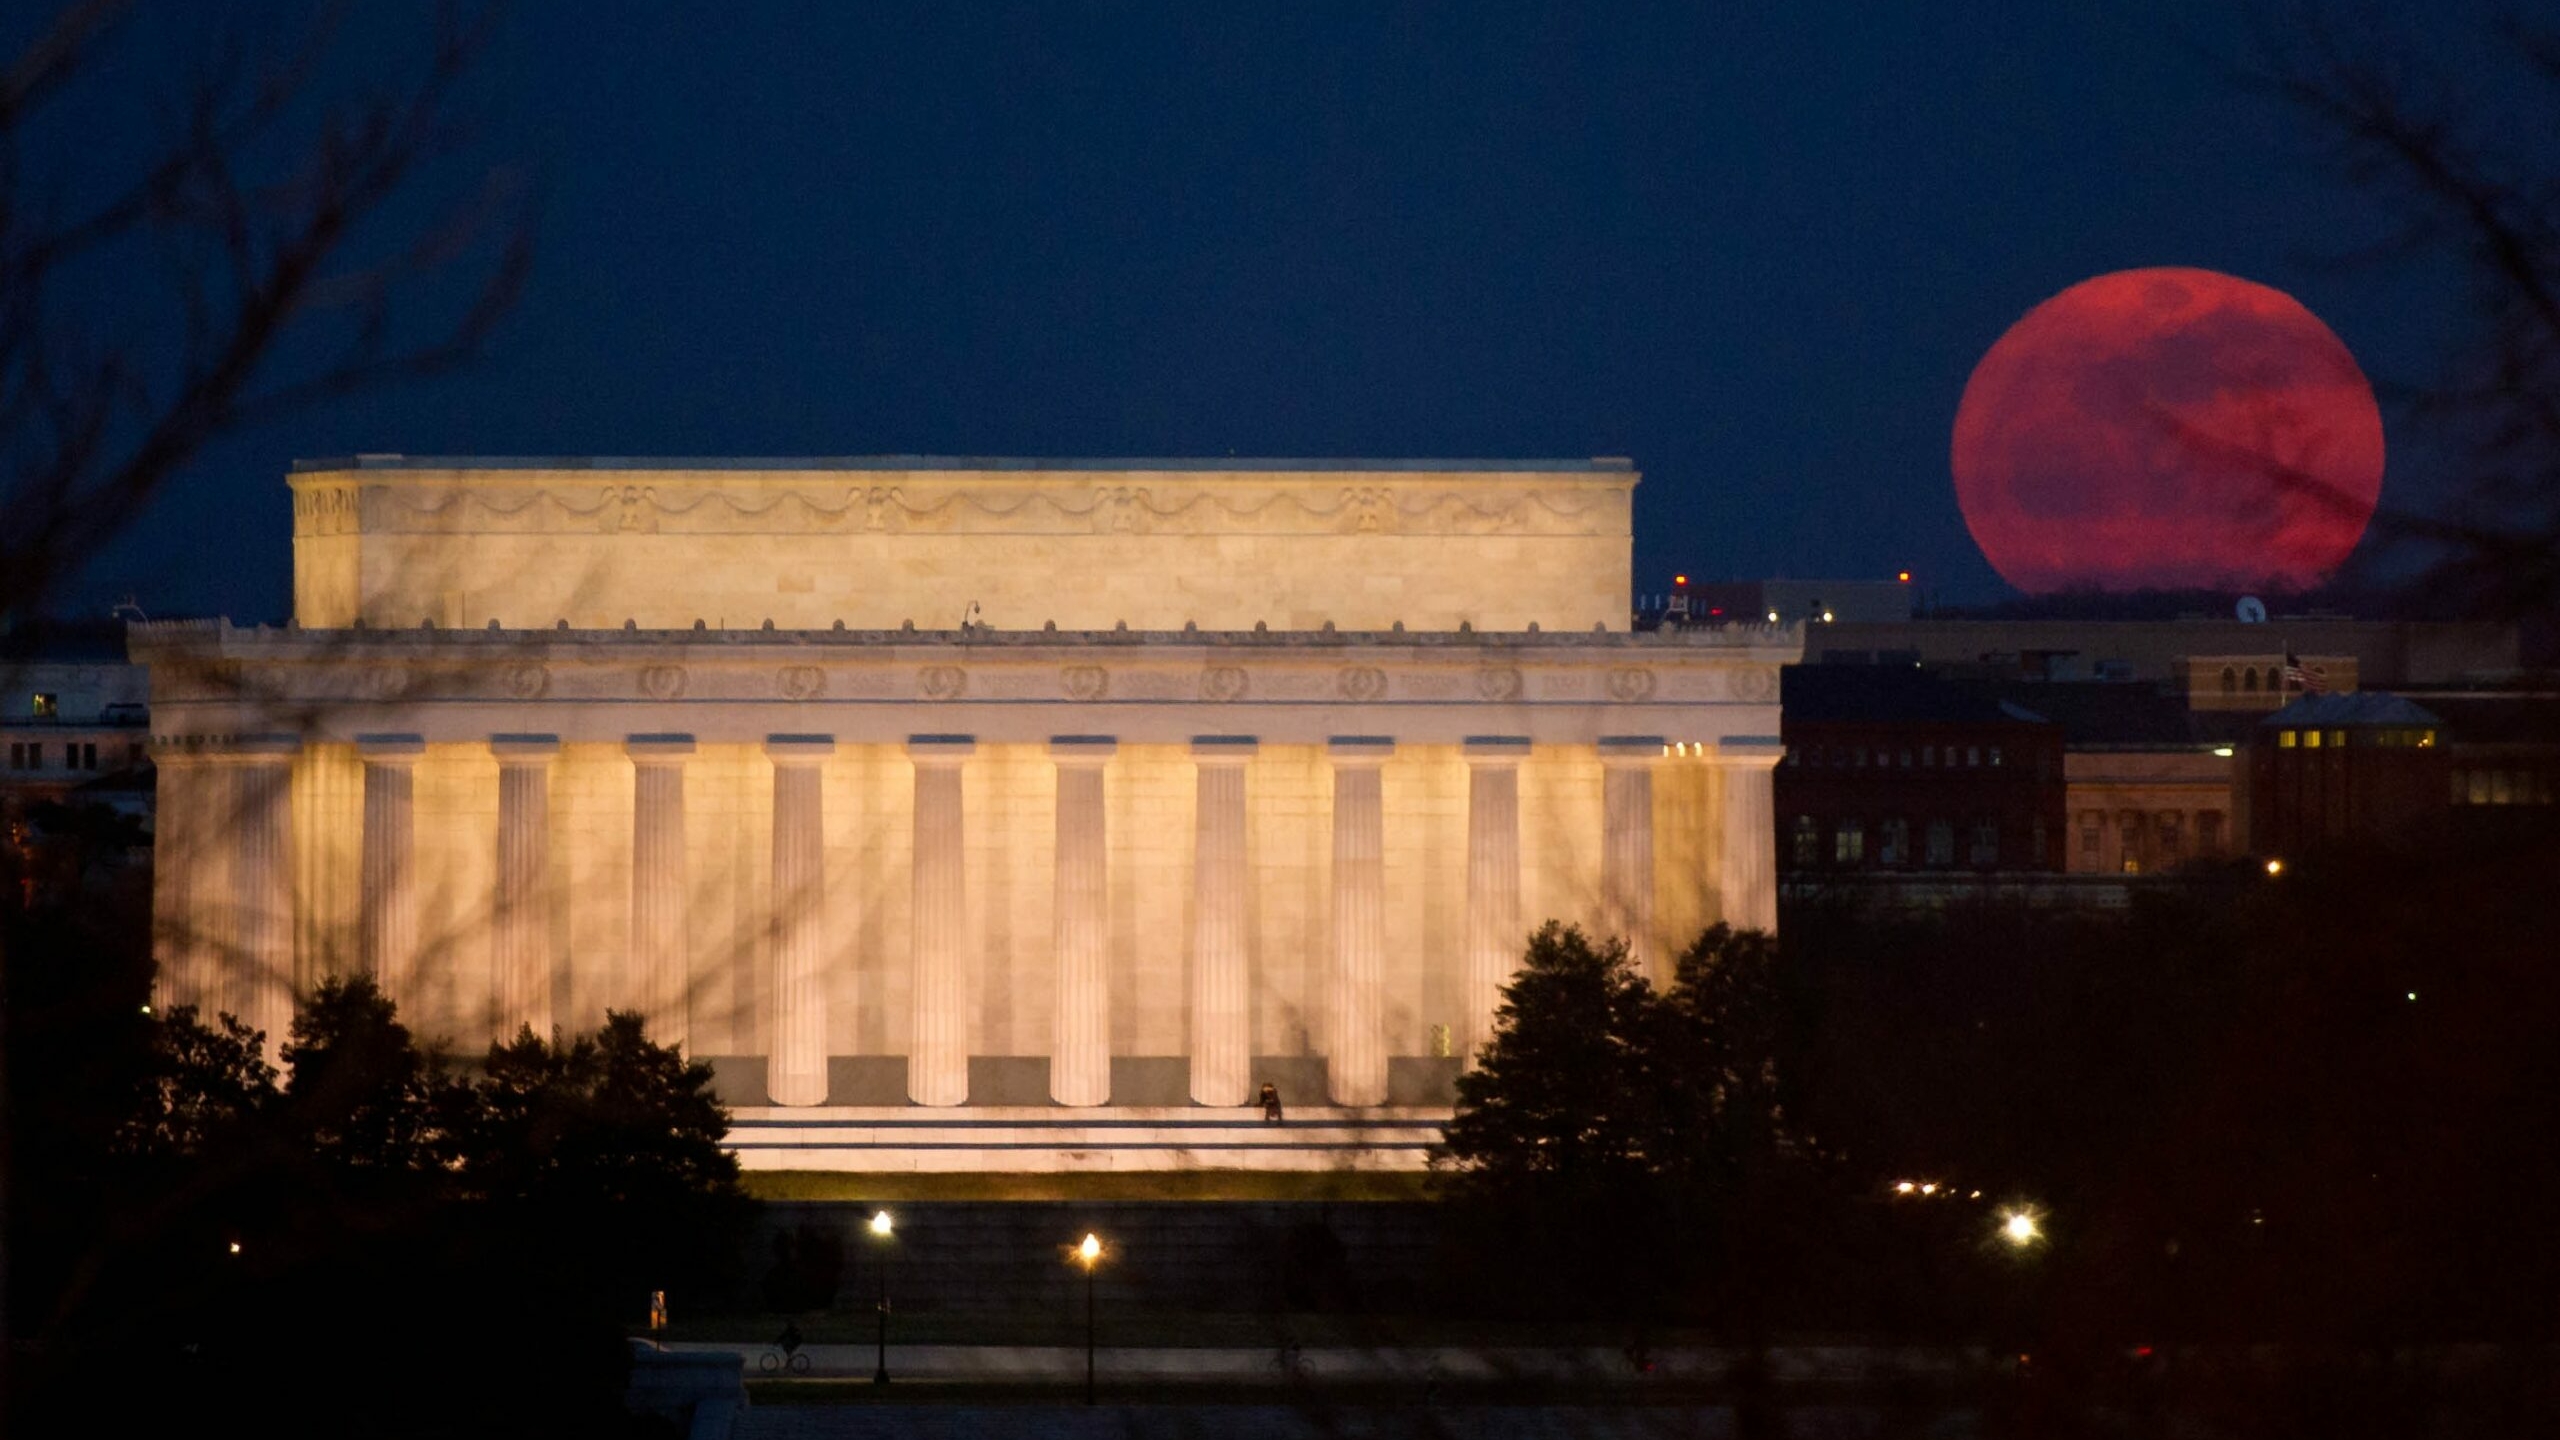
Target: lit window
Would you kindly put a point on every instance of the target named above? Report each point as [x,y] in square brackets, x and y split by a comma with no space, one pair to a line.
[2337,739]
[2284,739]
[2310,739]
[1849,843]
[1995,754]
[1805,840]
[46,705]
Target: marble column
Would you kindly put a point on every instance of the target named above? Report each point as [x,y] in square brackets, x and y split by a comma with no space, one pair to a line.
[1626,846]
[1080,1044]
[1495,939]
[938,1052]
[520,958]
[1355,1036]
[181,885]
[796,1027]
[387,911]
[1747,875]
[258,972]
[661,906]
[1221,1008]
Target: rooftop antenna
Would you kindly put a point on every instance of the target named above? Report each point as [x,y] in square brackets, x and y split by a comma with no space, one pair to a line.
[126,609]
[969,615]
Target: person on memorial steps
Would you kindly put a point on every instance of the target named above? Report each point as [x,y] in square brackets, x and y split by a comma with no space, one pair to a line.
[1270,1103]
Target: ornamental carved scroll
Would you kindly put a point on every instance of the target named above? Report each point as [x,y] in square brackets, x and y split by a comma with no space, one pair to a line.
[1084,682]
[1222,683]
[1498,684]
[662,682]
[942,682]
[1755,683]
[800,682]
[527,682]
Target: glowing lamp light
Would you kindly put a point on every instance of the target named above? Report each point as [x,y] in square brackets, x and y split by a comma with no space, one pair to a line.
[881,1224]
[1679,579]
[2222,752]
[1826,617]
[1090,1251]
[1773,617]
[2019,1228]
[1903,1187]
[1929,1189]
[146,1009]
[1904,576]
[2413,997]
[235,1247]
[2274,866]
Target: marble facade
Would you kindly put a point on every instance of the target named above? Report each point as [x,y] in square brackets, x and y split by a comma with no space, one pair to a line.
[1238,770]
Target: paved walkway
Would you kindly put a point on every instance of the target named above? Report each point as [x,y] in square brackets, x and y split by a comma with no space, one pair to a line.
[1274,1422]
[1418,1364]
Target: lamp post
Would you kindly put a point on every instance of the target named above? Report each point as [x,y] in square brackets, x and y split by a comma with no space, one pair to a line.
[882,1228]
[1088,1255]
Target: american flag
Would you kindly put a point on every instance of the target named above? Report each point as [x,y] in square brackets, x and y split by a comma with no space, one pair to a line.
[2313,679]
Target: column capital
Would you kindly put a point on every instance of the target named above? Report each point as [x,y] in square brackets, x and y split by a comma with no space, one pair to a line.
[1630,749]
[1761,750]
[798,749]
[941,749]
[1345,750]
[391,749]
[1224,749]
[658,748]
[1496,749]
[525,749]
[1082,749]
[264,749]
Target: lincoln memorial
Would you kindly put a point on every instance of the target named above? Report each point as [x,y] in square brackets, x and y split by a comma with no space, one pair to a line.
[964,814]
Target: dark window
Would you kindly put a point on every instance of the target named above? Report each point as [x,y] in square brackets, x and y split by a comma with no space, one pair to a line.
[1985,849]
[89,757]
[2209,832]
[1995,754]
[1973,756]
[2230,680]
[2035,842]
[2248,682]
[1942,843]
[18,756]
[1893,843]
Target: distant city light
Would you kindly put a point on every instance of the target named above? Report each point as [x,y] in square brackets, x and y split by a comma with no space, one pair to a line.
[2222,751]
[146,1009]
[1904,1187]
[1826,617]
[1679,579]
[1902,575]
[1089,1251]
[2413,997]
[881,1224]
[235,1247]
[2275,866]
[1773,617]
[2019,1228]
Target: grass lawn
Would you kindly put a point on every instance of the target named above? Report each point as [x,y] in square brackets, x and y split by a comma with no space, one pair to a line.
[910,1186]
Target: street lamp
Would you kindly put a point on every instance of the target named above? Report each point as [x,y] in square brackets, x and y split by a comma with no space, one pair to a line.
[881,1228]
[2019,1228]
[1088,1254]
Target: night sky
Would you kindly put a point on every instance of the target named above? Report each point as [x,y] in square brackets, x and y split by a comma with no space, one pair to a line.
[1758,253]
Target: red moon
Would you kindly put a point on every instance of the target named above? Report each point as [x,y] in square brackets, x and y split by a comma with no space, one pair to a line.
[2167,429]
